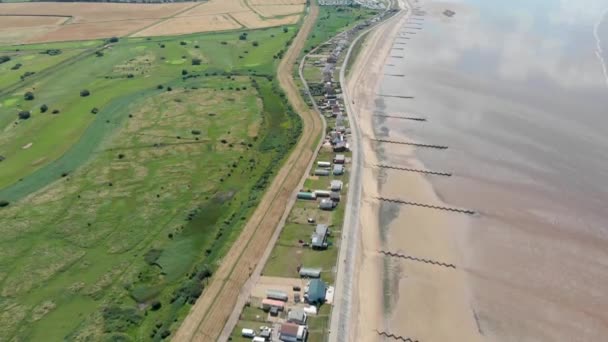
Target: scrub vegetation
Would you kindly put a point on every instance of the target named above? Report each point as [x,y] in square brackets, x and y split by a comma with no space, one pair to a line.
[128,181]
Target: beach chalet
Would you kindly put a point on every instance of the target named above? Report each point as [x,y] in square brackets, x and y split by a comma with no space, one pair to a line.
[277,295]
[335,111]
[324,164]
[322,193]
[310,310]
[296,316]
[316,292]
[334,196]
[290,332]
[307,272]
[321,172]
[336,185]
[339,159]
[338,170]
[340,147]
[266,334]
[326,204]
[268,304]
[319,237]
[306,195]
[248,333]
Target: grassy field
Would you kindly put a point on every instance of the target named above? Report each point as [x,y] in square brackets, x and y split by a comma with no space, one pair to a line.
[114,79]
[118,215]
[335,19]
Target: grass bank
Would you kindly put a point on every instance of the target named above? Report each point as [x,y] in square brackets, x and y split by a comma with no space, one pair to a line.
[129,209]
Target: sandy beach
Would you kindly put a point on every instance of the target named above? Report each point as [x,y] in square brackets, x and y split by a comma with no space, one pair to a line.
[402,297]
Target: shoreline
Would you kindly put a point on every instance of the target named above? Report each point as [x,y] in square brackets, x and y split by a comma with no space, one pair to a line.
[407,287]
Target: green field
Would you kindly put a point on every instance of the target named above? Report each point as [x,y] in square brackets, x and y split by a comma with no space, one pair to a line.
[335,19]
[118,215]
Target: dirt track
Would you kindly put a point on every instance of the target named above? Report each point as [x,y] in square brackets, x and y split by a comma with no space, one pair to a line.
[207,317]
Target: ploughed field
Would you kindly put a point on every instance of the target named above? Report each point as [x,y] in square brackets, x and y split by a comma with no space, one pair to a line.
[27,22]
[127,170]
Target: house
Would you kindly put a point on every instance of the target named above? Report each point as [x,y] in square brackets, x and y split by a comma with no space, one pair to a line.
[326,204]
[316,292]
[340,129]
[336,185]
[321,172]
[334,196]
[306,195]
[340,146]
[277,295]
[268,304]
[306,272]
[266,334]
[322,193]
[338,170]
[319,236]
[339,159]
[290,332]
[248,333]
[296,316]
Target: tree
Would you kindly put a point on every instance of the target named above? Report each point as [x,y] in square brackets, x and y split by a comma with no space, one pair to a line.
[285,29]
[44,108]
[196,61]
[28,96]
[113,40]
[24,115]
[184,72]
[255,43]
[243,36]
[4,203]
[183,43]
[85,93]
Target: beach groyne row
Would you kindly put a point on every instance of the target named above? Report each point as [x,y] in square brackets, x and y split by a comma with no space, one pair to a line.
[395,337]
[409,257]
[397,96]
[439,147]
[398,201]
[400,117]
[384,166]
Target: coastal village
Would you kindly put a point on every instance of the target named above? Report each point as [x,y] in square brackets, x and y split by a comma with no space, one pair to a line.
[292,299]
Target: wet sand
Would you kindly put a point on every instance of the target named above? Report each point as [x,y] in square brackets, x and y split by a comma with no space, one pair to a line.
[397,296]
[518,93]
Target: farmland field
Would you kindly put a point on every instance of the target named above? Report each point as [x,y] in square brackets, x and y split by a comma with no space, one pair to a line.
[28,22]
[137,165]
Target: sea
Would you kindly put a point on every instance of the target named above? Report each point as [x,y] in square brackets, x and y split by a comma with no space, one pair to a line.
[518,92]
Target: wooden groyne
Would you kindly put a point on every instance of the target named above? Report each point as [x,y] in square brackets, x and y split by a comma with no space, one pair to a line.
[429,206]
[428,172]
[440,147]
[413,258]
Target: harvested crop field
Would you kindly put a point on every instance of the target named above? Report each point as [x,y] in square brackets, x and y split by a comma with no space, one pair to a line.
[7,22]
[183,25]
[274,10]
[251,20]
[48,22]
[87,31]
[95,12]
[277,2]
